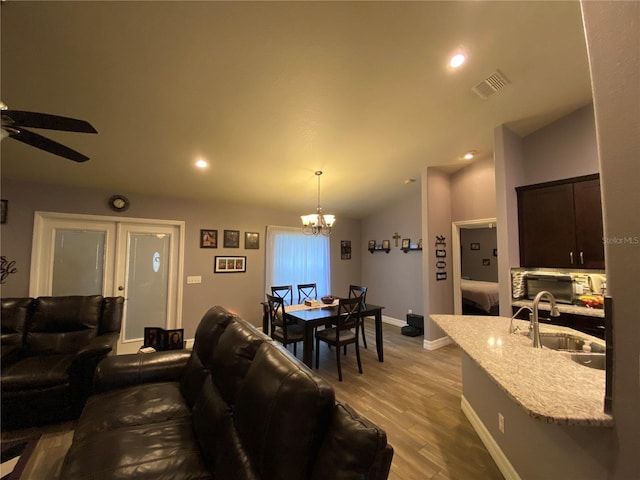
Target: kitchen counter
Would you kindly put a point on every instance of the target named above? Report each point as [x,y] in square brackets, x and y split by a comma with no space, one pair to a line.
[564,308]
[546,383]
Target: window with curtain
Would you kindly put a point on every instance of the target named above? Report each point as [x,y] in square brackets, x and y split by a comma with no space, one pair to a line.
[294,258]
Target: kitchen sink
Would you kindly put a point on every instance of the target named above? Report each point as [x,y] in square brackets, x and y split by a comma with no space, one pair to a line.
[562,341]
[591,360]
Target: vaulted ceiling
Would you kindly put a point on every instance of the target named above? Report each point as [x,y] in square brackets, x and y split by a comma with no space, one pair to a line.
[270,92]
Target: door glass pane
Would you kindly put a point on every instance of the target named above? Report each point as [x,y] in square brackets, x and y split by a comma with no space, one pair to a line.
[147,283]
[78,263]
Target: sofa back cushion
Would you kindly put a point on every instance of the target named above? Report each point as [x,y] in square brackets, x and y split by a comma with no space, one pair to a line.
[207,335]
[352,448]
[111,315]
[63,324]
[14,317]
[232,357]
[281,413]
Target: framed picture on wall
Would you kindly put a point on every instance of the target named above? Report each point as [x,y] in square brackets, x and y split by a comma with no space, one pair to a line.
[251,240]
[230,264]
[406,243]
[441,253]
[208,238]
[345,249]
[232,239]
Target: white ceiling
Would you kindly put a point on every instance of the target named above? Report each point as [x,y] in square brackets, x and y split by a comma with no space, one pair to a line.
[270,92]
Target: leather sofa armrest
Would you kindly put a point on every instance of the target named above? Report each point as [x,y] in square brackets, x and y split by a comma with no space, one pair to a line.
[134,369]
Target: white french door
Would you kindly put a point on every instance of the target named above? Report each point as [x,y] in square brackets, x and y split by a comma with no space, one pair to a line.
[138,259]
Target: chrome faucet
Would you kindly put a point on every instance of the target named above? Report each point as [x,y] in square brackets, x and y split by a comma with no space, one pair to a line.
[513,329]
[535,326]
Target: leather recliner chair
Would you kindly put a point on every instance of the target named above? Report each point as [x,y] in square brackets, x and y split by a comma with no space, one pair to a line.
[50,349]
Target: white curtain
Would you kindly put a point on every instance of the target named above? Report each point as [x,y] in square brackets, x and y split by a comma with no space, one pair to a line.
[293,258]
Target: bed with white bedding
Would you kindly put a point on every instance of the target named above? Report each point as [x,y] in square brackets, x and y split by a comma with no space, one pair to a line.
[480,295]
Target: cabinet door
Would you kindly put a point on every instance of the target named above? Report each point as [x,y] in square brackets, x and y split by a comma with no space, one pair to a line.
[547,226]
[589,231]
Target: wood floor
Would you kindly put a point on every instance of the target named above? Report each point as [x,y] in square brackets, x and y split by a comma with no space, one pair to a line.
[414,396]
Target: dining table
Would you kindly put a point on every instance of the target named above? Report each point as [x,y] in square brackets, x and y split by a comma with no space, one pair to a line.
[315,315]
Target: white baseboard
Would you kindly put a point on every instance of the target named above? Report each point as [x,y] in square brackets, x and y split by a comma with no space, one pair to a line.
[393,321]
[493,448]
[435,344]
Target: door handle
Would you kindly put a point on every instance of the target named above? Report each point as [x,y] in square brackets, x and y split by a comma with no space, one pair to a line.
[571,257]
[581,258]
[122,288]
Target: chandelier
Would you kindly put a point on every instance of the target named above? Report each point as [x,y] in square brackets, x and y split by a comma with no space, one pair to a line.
[316,223]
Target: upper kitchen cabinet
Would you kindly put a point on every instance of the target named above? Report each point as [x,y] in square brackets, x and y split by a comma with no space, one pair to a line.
[560,224]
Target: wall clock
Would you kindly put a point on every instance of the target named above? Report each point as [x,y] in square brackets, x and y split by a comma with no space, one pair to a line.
[119,203]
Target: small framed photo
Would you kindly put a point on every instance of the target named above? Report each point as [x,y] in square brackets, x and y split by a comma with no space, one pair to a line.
[475,246]
[230,264]
[4,207]
[441,264]
[154,337]
[386,244]
[486,262]
[345,249]
[441,276]
[251,240]
[208,238]
[406,243]
[372,244]
[441,253]
[231,239]
[175,339]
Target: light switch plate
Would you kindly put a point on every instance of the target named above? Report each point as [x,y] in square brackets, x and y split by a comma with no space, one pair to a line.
[194,279]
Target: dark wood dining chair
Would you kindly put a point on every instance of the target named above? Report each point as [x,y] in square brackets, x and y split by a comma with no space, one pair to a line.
[283,330]
[285,292]
[358,291]
[341,335]
[307,291]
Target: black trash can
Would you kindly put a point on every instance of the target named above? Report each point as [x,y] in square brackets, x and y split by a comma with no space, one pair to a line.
[415,325]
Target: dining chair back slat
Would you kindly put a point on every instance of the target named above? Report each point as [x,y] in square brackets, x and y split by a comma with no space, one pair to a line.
[285,292]
[358,291]
[283,330]
[307,291]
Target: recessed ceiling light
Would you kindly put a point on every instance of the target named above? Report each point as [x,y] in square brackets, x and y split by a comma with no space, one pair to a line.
[470,155]
[200,163]
[457,60]
[409,180]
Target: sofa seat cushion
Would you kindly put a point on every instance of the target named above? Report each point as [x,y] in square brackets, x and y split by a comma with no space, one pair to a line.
[37,372]
[154,451]
[132,406]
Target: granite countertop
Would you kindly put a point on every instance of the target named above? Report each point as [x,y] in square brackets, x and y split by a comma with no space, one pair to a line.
[563,308]
[546,383]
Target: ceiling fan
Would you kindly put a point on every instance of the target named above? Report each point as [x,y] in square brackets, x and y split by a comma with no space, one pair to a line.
[14,121]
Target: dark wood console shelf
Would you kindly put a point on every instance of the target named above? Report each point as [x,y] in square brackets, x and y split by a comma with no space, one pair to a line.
[386,250]
[417,249]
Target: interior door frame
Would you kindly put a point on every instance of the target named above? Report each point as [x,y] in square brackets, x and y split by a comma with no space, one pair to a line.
[456,257]
[41,244]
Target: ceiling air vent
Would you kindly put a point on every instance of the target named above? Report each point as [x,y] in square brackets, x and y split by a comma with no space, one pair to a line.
[490,85]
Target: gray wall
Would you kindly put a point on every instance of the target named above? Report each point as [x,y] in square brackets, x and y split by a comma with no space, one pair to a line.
[473,191]
[614,58]
[566,148]
[241,293]
[394,279]
[472,261]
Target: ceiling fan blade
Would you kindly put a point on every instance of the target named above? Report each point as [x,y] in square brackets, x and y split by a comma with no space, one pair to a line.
[20,118]
[43,143]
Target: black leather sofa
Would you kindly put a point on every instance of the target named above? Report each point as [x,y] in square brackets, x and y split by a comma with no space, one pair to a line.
[238,406]
[50,349]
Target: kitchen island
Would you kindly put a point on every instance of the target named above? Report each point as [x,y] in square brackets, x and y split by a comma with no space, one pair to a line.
[540,414]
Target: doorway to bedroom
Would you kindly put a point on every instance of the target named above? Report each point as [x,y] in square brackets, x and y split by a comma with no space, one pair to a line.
[475,267]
